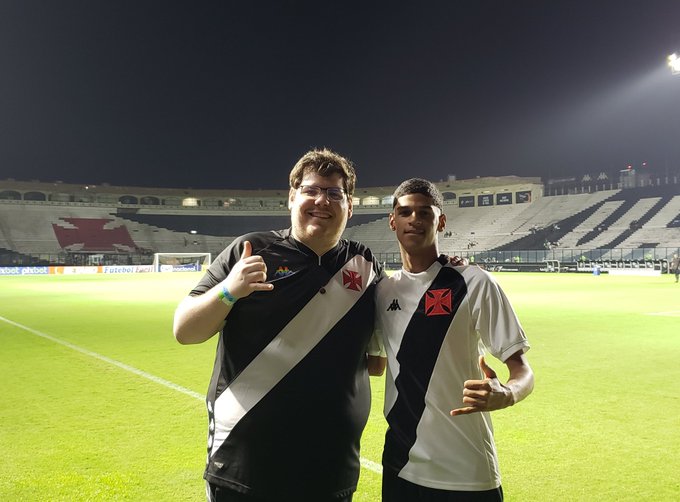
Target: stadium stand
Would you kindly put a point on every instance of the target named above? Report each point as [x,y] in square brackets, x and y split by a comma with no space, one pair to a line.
[658,230]
[552,230]
[618,220]
[487,217]
[639,208]
[375,233]
[226,225]
[551,210]
[649,207]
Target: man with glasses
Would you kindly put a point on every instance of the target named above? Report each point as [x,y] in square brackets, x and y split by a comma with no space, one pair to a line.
[289,396]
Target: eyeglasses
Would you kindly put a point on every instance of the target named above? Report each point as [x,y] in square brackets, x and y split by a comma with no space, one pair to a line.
[335,194]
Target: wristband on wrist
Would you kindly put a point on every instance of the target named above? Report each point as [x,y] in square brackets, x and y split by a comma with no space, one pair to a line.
[226,297]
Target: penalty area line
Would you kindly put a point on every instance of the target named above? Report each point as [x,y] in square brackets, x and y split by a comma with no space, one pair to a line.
[365,463]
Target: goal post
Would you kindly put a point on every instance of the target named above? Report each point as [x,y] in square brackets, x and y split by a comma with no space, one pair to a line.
[551,266]
[181,262]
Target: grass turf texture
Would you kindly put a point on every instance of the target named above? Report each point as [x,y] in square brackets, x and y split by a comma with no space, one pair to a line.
[603,421]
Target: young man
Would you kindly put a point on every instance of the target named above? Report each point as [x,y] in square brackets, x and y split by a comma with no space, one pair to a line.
[289,396]
[436,319]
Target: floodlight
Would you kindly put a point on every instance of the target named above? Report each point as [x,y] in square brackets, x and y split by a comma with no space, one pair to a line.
[674,63]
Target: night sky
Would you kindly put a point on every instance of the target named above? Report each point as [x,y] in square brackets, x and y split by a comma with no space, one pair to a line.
[230,94]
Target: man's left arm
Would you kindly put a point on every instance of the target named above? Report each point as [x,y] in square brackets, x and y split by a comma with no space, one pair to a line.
[490,394]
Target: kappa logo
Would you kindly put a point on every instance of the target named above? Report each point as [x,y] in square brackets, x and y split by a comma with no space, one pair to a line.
[438,302]
[352,280]
[282,271]
[394,305]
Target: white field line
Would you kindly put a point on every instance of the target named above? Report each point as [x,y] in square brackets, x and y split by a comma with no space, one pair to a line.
[670,313]
[105,359]
[370,465]
[365,463]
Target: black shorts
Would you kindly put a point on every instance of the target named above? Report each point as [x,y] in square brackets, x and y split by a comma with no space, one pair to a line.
[217,493]
[395,489]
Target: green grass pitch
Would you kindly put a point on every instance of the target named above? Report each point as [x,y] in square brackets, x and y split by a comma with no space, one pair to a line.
[100,403]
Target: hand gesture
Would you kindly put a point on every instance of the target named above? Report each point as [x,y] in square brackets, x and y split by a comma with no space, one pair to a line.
[457,261]
[248,275]
[484,395]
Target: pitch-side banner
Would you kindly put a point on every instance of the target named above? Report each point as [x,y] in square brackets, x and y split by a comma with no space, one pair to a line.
[188,267]
[24,270]
[106,269]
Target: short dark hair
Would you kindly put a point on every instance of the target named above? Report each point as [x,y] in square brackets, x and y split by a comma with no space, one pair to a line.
[324,162]
[419,185]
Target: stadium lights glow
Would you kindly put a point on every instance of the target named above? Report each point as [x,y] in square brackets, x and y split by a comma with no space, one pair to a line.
[674,63]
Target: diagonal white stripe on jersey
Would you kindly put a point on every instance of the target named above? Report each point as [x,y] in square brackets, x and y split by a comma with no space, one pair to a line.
[287,349]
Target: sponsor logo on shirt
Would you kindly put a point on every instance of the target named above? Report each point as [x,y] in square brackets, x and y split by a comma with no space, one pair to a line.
[282,272]
[351,280]
[394,305]
[438,302]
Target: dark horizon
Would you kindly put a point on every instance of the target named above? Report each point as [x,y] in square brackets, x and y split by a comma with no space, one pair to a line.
[230,95]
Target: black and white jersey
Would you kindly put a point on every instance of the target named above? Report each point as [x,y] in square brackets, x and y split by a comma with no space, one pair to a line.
[435,324]
[289,396]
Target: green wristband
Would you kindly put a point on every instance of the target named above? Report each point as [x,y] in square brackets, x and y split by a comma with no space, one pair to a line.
[226,297]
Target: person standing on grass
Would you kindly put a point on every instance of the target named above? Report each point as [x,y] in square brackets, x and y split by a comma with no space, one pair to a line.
[675,266]
[289,395]
[436,319]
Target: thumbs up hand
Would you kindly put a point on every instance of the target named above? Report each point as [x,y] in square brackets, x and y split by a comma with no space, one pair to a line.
[484,395]
[248,275]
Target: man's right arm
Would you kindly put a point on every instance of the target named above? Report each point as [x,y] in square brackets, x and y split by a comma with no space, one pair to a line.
[198,318]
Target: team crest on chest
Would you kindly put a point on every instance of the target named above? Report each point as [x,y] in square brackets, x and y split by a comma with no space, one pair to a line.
[352,280]
[438,302]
